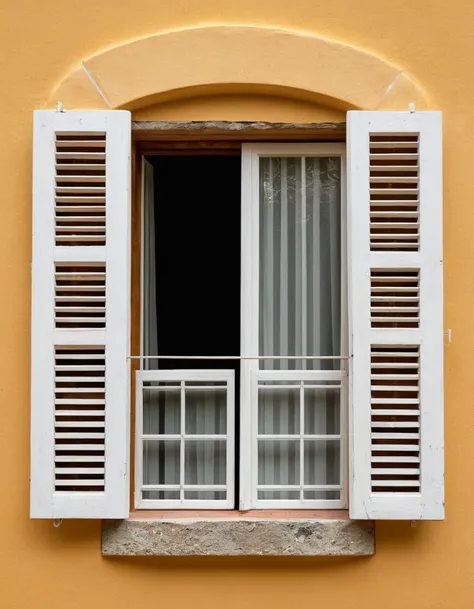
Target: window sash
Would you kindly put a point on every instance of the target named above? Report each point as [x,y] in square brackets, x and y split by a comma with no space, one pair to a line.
[250,373]
[183,378]
[303,382]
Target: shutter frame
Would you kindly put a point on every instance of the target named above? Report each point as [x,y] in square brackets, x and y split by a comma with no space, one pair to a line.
[428,503]
[48,336]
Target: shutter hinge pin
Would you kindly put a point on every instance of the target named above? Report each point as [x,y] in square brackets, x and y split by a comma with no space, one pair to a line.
[411,107]
[57,522]
[59,107]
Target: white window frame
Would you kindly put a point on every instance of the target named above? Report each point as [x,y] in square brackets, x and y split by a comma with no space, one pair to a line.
[185,376]
[250,372]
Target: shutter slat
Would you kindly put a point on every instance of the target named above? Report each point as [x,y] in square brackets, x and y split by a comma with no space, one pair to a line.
[64,435]
[393,157]
[79,470]
[80,209]
[395,483]
[85,219]
[400,309]
[80,459]
[394,214]
[93,168]
[82,299]
[70,402]
[395,471]
[77,199]
[394,424]
[79,390]
[80,309]
[395,299]
[79,156]
[91,177]
[75,449]
[394,377]
[79,143]
[78,424]
[394,448]
[383,179]
[79,413]
[71,483]
[389,435]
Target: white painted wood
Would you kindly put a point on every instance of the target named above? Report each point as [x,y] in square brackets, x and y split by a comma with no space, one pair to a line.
[112,501]
[427,500]
[251,154]
[185,378]
[302,379]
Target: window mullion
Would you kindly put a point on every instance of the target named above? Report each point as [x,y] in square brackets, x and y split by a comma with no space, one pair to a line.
[301,439]
[181,447]
[304,267]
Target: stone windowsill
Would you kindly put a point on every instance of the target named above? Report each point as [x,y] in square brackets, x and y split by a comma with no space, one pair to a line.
[254,533]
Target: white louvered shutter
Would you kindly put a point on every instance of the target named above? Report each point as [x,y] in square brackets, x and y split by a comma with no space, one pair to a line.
[80,315]
[396,310]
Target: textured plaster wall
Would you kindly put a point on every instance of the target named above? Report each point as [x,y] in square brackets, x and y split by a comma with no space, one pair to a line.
[430,566]
[247,107]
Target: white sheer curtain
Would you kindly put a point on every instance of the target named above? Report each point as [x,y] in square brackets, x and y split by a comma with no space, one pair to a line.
[299,314]
[205,410]
[150,326]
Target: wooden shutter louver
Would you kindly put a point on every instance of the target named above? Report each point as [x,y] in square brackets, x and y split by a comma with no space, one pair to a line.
[80,296]
[80,317]
[395,419]
[395,260]
[394,298]
[80,189]
[79,425]
[394,182]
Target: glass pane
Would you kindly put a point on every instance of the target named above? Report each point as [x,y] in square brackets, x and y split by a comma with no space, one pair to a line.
[283,495]
[161,411]
[206,495]
[161,461]
[322,461]
[206,411]
[278,462]
[205,462]
[321,411]
[300,261]
[278,411]
[322,495]
[163,495]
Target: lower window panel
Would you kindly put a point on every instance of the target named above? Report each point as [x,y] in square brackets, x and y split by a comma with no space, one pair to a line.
[296,440]
[185,439]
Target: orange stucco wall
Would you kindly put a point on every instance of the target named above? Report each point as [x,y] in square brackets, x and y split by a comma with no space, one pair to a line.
[429,566]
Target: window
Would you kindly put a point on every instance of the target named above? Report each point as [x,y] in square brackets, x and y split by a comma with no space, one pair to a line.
[294,306]
[293,393]
[324,353]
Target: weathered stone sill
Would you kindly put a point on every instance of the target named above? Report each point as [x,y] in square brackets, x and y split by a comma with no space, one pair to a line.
[238,537]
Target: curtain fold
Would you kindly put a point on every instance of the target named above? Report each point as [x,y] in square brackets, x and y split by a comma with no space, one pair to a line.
[299,312]
[149,279]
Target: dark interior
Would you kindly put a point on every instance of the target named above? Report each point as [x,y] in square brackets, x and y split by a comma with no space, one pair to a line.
[197,215]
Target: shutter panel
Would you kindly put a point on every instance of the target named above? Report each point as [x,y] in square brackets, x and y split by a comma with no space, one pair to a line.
[80,315]
[395,270]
